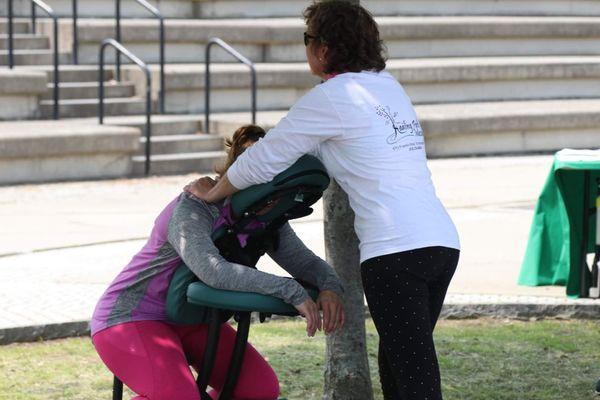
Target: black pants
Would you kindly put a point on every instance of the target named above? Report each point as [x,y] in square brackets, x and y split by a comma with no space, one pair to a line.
[405,292]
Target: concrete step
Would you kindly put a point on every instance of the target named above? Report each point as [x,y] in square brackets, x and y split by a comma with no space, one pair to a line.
[42,151]
[294,8]
[20,89]
[162,125]
[432,80]
[179,163]
[78,108]
[106,8]
[34,57]
[468,129]
[19,25]
[280,39]
[74,73]
[450,80]
[89,90]
[25,42]
[180,144]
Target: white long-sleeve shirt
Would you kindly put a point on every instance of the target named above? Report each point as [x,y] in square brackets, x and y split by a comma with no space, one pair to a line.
[364,129]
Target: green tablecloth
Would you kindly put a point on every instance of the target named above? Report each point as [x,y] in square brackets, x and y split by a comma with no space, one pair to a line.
[553,255]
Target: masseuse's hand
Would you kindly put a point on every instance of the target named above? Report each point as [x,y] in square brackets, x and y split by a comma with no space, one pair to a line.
[333,311]
[308,309]
[200,187]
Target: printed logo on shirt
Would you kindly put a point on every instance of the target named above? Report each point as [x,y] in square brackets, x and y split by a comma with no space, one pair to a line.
[401,129]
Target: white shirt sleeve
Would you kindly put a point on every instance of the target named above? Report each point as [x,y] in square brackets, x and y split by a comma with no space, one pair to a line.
[312,120]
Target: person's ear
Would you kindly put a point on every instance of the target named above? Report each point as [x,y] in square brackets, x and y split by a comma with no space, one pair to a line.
[322,53]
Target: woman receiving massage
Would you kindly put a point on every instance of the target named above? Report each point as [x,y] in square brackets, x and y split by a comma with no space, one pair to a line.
[361,124]
[137,342]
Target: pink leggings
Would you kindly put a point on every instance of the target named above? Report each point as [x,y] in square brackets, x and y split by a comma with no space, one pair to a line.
[150,358]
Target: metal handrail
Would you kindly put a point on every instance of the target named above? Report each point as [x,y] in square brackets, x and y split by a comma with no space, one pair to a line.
[75,50]
[161,19]
[45,7]
[122,50]
[241,59]
[11,55]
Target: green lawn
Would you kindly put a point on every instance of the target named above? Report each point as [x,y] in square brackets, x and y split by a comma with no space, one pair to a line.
[480,359]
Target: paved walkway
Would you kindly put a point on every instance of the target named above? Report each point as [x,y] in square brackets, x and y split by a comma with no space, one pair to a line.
[62,243]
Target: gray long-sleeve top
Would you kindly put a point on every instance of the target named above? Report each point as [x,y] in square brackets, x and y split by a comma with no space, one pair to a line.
[189,233]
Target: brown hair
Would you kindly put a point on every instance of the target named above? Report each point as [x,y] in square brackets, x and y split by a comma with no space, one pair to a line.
[235,146]
[350,33]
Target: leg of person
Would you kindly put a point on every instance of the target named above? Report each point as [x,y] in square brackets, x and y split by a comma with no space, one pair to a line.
[148,357]
[386,377]
[257,380]
[399,305]
[446,261]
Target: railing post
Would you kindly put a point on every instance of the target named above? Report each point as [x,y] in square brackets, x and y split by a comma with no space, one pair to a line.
[33,18]
[253,72]
[158,15]
[148,123]
[207,88]
[51,14]
[56,72]
[75,50]
[101,83]
[162,66]
[11,44]
[121,49]
[118,38]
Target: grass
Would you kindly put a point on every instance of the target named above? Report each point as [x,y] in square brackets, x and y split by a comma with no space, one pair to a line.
[479,359]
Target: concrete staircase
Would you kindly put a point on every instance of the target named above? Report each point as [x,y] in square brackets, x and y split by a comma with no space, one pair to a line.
[78,94]
[29,48]
[78,88]
[177,144]
[486,76]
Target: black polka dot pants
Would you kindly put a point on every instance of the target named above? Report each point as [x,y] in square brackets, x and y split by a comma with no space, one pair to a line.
[405,292]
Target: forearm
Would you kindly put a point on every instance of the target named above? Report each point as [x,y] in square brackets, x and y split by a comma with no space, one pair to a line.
[189,234]
[240,278]
[320,274]
[311,121]
[302,263]
[222,189]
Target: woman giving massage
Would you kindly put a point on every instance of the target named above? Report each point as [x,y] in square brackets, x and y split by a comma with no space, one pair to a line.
[361,124]
[130,328]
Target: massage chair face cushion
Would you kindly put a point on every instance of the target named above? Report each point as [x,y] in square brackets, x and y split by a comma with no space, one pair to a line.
[289,195]
[259,211]
[307,173]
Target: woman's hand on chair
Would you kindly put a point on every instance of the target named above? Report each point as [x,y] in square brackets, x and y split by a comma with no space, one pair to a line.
[333,311]
[211,190]
[308,309]
[200,187]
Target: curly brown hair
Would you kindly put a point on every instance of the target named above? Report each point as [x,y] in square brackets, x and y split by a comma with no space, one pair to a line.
[350,34]
[236,145]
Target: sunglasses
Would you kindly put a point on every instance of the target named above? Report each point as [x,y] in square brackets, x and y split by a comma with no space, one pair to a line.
[307,38]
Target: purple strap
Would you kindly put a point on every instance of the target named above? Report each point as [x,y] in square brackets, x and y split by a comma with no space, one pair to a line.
[226,219]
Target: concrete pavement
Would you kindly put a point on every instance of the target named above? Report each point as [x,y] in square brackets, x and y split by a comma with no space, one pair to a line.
[62,243]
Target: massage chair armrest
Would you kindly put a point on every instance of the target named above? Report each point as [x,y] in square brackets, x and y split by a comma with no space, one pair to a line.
[199,293]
